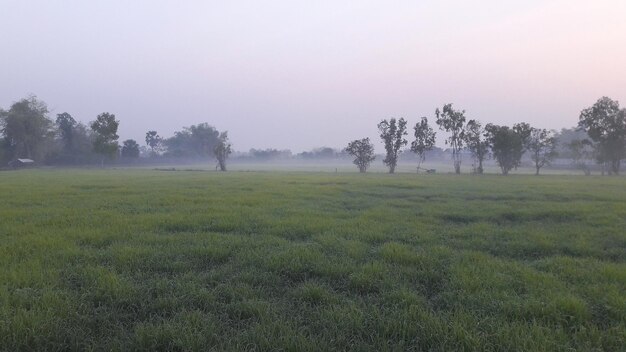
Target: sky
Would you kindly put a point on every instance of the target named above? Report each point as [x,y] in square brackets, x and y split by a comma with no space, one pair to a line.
[293,74]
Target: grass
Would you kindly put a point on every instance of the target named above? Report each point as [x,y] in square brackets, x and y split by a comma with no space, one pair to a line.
[149,260]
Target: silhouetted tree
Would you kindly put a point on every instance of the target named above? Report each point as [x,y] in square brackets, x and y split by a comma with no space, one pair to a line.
[605,124]
[507,146]
[542,147]
[130,149]
[581,151]
[222,150]
[477,143]
[105,132]
[66,124]
[363,152]
[392,133]
[196,140]
[26,128]
[424,140]
[453,122]
[153,140]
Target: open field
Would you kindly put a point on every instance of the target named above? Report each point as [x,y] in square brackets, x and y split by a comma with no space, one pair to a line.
[153,260]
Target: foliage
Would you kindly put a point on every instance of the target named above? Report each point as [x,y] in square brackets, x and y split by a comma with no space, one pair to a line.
[605,124]
[105,135]
[194,141]
[184,261]
[453,122]
[363,152]
[154,141]
[581,152]
[477,143]
[66,125]
[542,147]
[222,150]
[26,129]
[507,146]
[424,140]
[392,133]
[130,149]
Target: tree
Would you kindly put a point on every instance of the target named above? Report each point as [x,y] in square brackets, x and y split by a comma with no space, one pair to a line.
[542,147]
[392,133]
[105,131]
[66,124]
[26,128]
[453,122]
[424,140]
[363,152]
[222,150]
[477,143]
[581,151]
[153,140]
[196,140]
[130,149]
[605,124]
[507,146]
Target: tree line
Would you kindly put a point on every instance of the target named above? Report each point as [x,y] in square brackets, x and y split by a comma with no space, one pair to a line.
[603,126]
[27,131]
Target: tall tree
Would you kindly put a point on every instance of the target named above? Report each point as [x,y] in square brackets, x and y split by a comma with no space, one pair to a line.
[130,149]
[105,131]
[542,147]
[222,150]
[392,133]
[453,122]
[581,151]
[507,146]
[477,143]
[66,124]
[26,128]
[424,140]
[153,140]
[363,152]
[605,124]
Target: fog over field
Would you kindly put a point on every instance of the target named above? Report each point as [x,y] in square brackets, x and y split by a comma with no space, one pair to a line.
[289,175]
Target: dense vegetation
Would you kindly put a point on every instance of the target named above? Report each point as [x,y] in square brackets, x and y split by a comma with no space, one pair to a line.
[145,260]
[26,131]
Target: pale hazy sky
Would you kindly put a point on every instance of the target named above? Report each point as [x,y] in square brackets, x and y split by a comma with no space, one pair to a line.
[303,74]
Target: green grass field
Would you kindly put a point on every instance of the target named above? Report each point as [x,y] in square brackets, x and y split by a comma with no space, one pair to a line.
[153,260]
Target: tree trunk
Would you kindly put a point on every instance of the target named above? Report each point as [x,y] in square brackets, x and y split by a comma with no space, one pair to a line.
[392,169]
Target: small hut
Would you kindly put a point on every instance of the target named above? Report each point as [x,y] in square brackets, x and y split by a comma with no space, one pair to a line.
[21,163]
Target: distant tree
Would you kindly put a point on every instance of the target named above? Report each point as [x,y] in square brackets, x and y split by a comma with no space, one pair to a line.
[542,147]
[26,128]
[392,133]
[196,140]
[581,151]
[605,124]
[453,122]
[66,125]
[524,130]
[363,152]
[477,143]
[105,132]
[565,137]
[153,140]
[507,146]
[424,140]
[130,149]
[222,150]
